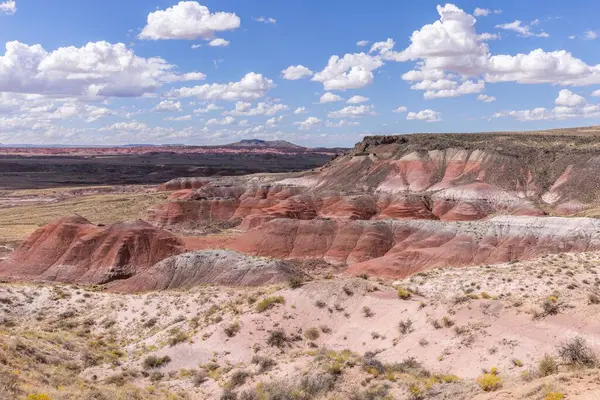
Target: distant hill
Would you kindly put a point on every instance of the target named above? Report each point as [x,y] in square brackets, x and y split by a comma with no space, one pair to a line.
[272,144]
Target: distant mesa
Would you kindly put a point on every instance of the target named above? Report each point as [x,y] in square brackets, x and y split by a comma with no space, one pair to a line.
[274,144]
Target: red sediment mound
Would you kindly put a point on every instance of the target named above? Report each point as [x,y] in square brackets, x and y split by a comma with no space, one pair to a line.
[184,183]
[76,251]
[399,248]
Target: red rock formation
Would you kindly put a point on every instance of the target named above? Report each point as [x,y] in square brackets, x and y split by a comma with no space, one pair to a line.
[74,250]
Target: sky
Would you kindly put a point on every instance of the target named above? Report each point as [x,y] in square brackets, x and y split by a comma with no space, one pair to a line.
[314,72]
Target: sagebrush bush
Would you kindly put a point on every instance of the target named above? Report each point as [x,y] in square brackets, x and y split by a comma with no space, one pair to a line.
[232,329]
[489,382]
[404,294]
[277,338]
[576,352]
[547,365]
[155,362]
[312,333]
[269,302]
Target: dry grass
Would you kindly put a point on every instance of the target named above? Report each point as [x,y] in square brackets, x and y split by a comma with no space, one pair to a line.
[16,223]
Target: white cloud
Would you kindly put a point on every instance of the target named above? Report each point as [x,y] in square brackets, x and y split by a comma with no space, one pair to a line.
[225,121]
[353,71]
[329,98]
[309,123]
[208,108]
[596,93]
[218,42]
[363,43]
[485,98]
[590,35]
[167,106]
[274,121]
[8,7]
[352,112]
[522,29]
[569,99]
[572,37]
[245,109]
[341,123]
[568,105]
[300,110]
[484,12]
[187,20]
[251,86]
[449,88]
[295,72]
[424,115]
[488,36]
[451,47]
[266,20]
[357,99]
[196,46]
[401,109]
[95,70]
[125,126]
[382,47]
[182,118]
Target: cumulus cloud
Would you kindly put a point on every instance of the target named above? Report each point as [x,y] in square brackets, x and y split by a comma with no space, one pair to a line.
[309,123]
[352,112]
[251,86]
[96,69]
[329,98]
[8,7]
[522,29]
[208,108]
[295,72]
[245,109]
[451,48]
[424,115]
[218,42]
[353,71]
[125,126]
[187,20]
[182,118]
[590,35]
[266,20]
[596,93]
[569,99]
[568,105]
[357,99]
[341,123]
[300,110]
[484,12]
[488,36]
[447,88]
[485,98]
[225,121]
[167,106]
[401,109]
[363,43]
[271,122]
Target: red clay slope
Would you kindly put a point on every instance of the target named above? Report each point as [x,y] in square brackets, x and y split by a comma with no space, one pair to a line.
[74,250]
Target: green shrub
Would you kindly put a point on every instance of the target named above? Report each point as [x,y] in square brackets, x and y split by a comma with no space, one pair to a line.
[547,365]
[490,382]
[404,294]
[155,362]
[312,334]
[232,329]
[269,302]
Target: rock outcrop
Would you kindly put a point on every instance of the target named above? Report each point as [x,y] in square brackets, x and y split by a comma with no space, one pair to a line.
[76,251]
[217,267]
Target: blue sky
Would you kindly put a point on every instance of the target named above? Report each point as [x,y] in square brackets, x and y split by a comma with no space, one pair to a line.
[211,72]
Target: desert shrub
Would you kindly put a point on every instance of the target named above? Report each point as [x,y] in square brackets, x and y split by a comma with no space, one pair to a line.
[405,326]
[376,392]
[150,323]
[490,382]
[312,334]
[238,378]
[155,362]
[436,324]
[404,294]
[372,365]
[250,395]
[277,338]
[232,329]
[550,306]
[317,384]
[348,291]
[117,380]
[295,282]
[38,396]
[576,352]
[547,365]
[320,304]
[228,394]
[264,363]
[593,298]
[178,337]
[554,396]
[367,311]
[156,376]
[269,302]
[325,329]
[516,362]
[199,377]
[448,323]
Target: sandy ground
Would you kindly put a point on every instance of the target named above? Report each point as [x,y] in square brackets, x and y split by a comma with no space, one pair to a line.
[456,322]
